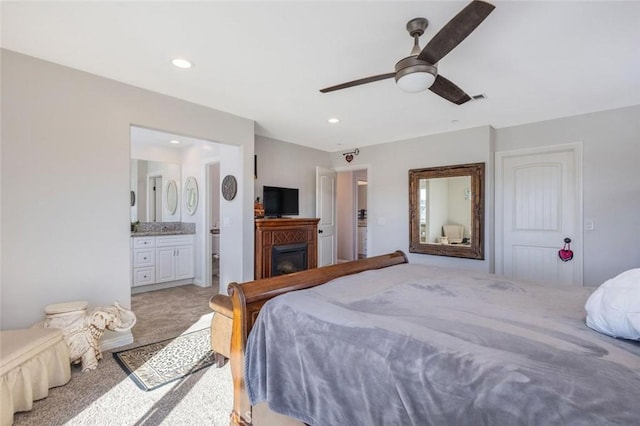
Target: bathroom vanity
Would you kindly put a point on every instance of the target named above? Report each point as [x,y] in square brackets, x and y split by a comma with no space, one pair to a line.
[162,257]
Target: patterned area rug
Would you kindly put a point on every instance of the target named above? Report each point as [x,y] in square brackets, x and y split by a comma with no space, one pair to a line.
[154,365]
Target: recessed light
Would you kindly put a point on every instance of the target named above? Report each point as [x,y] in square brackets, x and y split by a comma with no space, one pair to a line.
[174,141]
[333,120]
[181,63]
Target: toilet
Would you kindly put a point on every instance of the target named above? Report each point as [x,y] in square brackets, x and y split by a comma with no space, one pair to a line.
[215,250]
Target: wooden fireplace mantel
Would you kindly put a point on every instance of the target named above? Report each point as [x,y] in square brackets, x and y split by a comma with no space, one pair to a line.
[282,231]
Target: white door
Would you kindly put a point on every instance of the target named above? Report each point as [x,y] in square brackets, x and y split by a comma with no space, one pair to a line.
[538,205]
[326,211]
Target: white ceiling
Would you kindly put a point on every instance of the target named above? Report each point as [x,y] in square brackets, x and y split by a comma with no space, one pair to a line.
[143,140]
[267,60]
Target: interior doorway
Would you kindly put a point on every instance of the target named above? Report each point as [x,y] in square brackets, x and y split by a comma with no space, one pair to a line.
[212,189]
[352,213]
[157,159]
[154,202]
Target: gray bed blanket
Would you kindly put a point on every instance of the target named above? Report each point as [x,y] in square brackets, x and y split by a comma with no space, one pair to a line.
[419,345]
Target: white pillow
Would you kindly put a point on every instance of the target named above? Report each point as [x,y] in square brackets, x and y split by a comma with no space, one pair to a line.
[614,308]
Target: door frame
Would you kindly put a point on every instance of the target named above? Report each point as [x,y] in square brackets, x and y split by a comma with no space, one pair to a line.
[320,170]
[576,148]
[353,168]
[208,201]
[156,194]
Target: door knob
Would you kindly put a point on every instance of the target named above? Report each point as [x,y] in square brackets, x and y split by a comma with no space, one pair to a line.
[319,231]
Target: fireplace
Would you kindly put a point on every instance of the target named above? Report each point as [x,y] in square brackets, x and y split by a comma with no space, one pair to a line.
[286,259]
[285,233]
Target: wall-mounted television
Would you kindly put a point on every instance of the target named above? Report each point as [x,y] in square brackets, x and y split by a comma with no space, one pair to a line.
[279,201]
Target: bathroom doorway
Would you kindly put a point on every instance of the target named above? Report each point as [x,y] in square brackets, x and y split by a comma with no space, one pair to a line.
[155,199]
[213,220]
[160,159]
[361,208]
[352,212]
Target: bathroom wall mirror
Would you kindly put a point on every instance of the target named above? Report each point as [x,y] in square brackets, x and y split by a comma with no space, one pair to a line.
[172,196]
[191,194]
[149,181]
[446,211]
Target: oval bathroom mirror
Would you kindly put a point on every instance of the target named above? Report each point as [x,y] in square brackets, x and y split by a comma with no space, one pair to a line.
[172,197]
[191,194]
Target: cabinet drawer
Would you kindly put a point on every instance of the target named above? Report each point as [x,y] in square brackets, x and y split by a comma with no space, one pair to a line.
[144,276]
[174,240]
[144,257]
[143,242]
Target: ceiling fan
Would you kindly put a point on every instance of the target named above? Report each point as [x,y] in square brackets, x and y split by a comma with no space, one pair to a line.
[419,70]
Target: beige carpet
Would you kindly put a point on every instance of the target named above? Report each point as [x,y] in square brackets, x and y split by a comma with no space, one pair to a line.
[106,396]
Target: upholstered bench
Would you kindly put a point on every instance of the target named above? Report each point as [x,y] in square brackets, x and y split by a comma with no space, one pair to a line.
[31,361]
[221,326]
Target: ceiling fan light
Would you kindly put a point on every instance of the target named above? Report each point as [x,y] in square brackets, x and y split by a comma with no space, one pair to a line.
[416,81]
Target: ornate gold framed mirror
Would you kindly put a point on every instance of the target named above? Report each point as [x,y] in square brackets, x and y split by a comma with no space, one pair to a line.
[446,211]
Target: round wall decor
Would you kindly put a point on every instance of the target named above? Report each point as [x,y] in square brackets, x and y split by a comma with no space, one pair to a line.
[229,187]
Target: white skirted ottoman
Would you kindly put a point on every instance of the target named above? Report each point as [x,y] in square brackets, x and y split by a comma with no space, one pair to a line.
[31,361]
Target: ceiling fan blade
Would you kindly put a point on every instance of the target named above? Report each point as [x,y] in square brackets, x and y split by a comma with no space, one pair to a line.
[449,91]
[358,82]
[456,30]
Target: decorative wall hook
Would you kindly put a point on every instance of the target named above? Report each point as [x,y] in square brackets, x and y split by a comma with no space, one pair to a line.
[349,155]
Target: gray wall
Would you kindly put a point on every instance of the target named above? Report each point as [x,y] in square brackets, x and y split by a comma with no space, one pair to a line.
[290,166]
[611,184]
[388,187]
[611,181]
[65,183]
[64,227]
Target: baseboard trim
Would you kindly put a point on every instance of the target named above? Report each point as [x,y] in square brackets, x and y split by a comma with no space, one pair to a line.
[200,283]
[160,286]
[117,340]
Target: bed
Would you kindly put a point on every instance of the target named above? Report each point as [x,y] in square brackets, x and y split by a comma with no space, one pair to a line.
[388,342]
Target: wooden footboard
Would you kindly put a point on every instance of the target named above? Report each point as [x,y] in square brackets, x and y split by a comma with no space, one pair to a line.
[249,297]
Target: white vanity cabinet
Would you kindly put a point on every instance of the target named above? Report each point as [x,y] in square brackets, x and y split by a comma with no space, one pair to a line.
[143,260]
[159,259]
[174,258]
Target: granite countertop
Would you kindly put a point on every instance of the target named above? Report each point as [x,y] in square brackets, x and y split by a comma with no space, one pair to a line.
[160,233]
[153,229]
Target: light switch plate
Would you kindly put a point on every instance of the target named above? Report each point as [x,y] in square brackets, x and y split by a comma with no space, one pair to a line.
[589,225]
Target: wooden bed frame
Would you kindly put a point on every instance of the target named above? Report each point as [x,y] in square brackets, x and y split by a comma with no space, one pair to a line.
[249,297]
